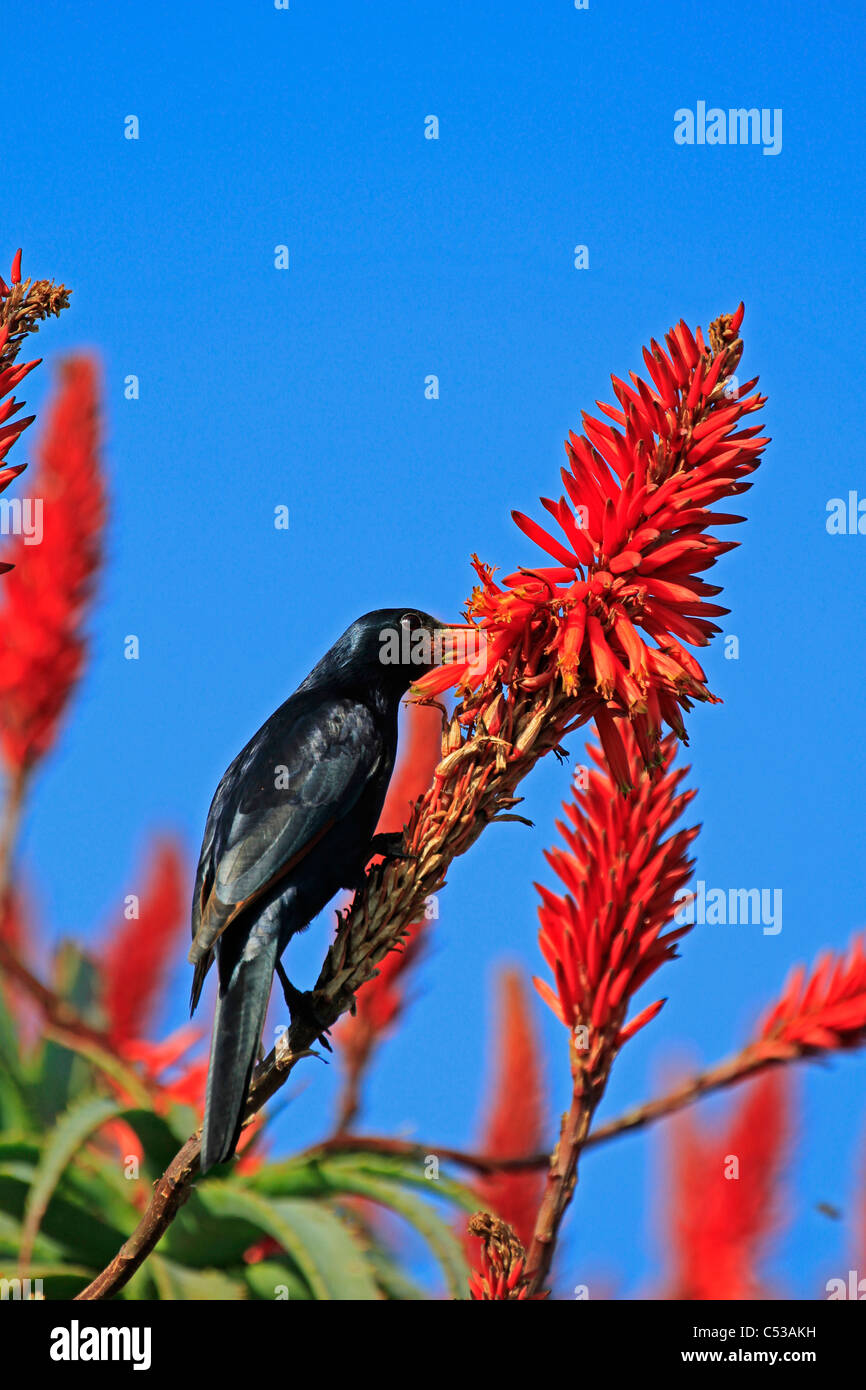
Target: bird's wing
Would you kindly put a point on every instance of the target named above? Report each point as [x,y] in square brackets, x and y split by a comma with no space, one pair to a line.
[302,772]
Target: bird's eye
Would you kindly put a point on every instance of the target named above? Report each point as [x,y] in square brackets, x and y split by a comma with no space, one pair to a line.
[412,620]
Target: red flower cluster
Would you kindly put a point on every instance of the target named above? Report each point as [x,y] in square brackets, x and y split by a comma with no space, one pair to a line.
[724,1195]
[492,1283]
[635,541]
[603,937]
[44,599]
[158,1060]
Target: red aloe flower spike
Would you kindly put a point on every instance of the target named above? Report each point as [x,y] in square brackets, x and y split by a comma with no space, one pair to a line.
[638,506]
[137,952]
[45,600]
[822,1011]
[516,1121]
[622,879]
[724,1195]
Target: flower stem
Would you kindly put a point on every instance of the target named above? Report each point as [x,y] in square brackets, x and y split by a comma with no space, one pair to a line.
[9,827]
[562,1173]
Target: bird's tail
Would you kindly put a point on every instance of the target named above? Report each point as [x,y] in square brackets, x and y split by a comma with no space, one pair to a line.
[241,1007]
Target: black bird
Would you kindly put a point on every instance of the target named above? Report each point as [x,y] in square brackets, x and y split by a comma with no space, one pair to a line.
[291,823]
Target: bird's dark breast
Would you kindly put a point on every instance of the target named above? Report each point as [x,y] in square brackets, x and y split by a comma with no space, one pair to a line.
[338,860]
[334,861]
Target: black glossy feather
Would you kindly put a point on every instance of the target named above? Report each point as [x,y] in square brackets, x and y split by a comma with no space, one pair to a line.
[290,824]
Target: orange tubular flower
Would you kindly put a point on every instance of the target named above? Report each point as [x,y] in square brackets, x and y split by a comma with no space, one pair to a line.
[608,618]
[603,937]
[724,1195]
[517,1123]
[45,598]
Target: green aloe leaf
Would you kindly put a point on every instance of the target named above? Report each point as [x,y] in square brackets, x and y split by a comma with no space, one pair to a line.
[312,1234]
[91,1238]
[399,1170]
[394,1283]
[96,1179]
[109,1065]
[176,1282]
[438,1235]
[44,1249]
[100,1181]
[19,1148]
[53,1280]
[61,1074]
[14,1110]
[292,1177]
[71,1131]
[271,1280]
[159,1139]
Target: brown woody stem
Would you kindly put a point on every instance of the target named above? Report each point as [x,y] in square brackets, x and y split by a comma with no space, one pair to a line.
[562,1172]
[739,1068]
[16,791]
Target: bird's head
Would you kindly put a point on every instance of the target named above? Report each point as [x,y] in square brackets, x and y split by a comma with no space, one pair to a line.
[390,647]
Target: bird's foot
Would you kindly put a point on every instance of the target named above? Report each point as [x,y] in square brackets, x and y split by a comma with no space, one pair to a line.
[390,845]
[302,1008]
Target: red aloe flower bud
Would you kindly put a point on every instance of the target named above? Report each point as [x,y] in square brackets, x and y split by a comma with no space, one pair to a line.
[500,1276]
[21,309]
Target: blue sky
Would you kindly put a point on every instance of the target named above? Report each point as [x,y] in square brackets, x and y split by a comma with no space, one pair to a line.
[305,387]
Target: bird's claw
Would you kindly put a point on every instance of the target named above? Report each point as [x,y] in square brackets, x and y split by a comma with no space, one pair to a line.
[303,1009]
[390,846]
